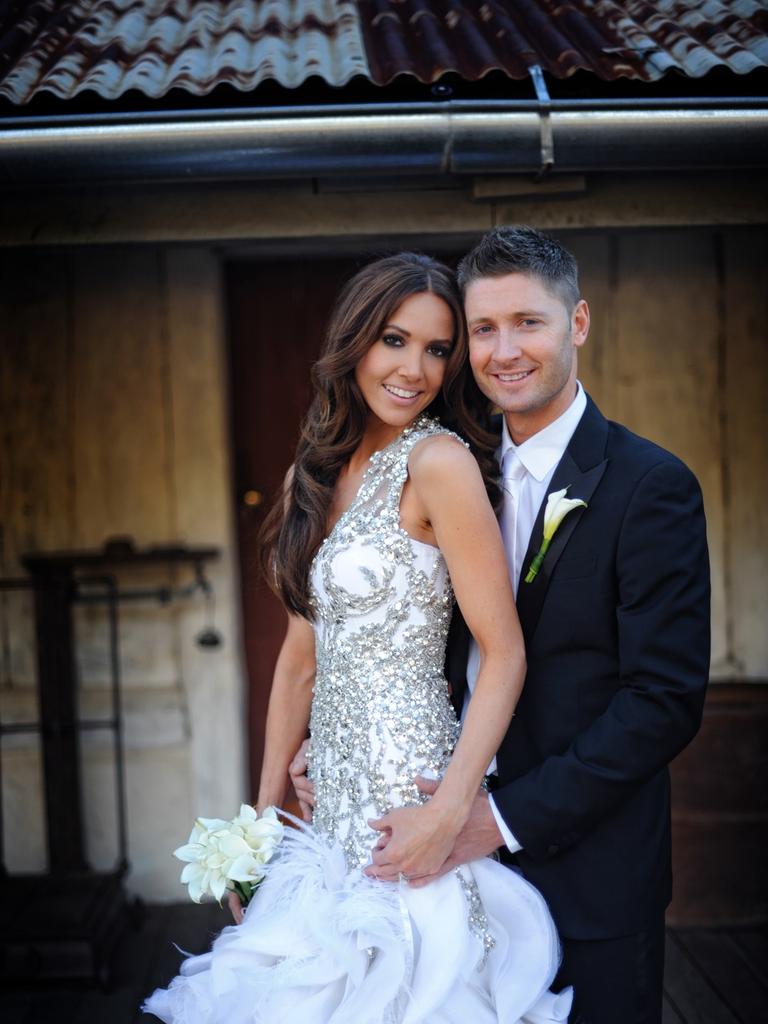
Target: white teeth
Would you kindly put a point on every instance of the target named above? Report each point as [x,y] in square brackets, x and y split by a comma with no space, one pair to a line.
[400,392]
[506,377]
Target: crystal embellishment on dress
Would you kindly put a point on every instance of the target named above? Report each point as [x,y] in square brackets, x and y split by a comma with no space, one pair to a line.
[380,713]
[478,919]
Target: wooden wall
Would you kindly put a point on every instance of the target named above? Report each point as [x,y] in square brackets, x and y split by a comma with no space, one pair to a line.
[115,423]
[678,353]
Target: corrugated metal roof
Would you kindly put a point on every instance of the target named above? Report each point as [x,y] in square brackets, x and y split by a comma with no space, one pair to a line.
[635,39]
[112,46]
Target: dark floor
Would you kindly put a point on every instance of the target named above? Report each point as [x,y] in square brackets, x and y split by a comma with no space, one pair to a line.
[712,977]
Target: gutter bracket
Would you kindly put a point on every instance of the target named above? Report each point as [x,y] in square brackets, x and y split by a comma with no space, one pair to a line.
[546,139]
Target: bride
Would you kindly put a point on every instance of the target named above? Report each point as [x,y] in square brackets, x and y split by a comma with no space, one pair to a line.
[385,516]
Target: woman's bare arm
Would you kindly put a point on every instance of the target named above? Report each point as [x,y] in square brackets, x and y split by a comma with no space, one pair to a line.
[287,719]
[449,486]
[288,713]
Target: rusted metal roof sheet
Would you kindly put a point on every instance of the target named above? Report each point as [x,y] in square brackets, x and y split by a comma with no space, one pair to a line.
[153,46]
[639,39]
[111,46]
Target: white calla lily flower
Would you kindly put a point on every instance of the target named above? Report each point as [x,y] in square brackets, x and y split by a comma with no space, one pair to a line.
[223,855]
[557,508]
[246,869]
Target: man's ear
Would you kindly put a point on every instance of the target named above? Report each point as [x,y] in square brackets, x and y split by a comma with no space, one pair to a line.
[580,323]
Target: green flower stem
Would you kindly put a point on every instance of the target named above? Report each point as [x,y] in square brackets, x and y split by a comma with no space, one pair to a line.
[535,565]
[244,893]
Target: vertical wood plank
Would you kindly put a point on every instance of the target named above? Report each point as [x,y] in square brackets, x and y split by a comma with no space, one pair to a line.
[35,446]
[667,373]
[204,514]
[122,449]
[121,442]
[746,389]
[593,253]
[35,511]
[36,406]
[198,393]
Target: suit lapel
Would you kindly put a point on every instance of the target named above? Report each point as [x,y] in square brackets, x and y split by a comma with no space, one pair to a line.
[456,657]
[580,470]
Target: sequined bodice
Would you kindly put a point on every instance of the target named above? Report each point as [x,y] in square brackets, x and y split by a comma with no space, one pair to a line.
[380,712]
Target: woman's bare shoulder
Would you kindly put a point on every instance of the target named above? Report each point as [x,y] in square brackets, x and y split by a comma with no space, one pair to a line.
[442,458]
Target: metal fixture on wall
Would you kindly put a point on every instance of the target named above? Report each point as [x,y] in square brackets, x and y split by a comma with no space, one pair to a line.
[209,638]
[65,922]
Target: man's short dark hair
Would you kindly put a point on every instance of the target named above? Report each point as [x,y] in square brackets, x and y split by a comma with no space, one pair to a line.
[523,250]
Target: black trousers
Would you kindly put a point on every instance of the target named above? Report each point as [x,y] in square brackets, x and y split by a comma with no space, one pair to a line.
[615,981]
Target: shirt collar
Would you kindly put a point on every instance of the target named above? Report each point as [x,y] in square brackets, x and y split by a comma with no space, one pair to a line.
[542,452]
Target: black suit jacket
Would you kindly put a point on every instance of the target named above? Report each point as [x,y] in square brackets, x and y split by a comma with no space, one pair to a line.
[616,628]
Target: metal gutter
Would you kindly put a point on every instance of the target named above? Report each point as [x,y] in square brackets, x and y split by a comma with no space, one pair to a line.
[365,109]
[453,137]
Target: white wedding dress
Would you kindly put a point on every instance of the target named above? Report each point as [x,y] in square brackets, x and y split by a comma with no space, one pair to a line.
[321,943]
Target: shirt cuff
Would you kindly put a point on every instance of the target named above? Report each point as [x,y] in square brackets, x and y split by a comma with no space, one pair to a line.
[511,843]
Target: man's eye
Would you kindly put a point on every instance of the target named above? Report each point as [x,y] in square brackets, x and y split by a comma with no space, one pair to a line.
[530,322]
[482,329]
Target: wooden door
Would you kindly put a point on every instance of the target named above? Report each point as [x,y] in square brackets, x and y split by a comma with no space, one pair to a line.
[277,312]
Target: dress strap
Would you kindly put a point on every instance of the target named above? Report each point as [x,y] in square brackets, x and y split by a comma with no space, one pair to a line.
[393,465]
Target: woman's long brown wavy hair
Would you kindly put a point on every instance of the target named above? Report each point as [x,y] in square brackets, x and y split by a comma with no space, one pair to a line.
[334,425]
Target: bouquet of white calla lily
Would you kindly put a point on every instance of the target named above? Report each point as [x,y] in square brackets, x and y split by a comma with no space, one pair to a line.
[246,870]
[222,855]
[258,830]
[557,508]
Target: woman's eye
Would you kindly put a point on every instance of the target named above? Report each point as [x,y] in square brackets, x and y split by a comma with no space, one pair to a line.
[441,351]
[392,339]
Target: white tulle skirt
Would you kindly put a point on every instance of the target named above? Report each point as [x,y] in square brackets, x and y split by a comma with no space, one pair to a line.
[322,945]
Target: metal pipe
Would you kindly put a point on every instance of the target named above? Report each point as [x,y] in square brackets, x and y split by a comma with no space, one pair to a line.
[445,139]
[371,109]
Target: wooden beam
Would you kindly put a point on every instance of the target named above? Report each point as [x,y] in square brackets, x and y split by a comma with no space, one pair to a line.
[244,212]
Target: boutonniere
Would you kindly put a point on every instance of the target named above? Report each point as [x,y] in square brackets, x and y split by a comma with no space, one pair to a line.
[558,507]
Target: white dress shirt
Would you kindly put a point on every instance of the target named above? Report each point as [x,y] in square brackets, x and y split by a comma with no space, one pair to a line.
[527,472]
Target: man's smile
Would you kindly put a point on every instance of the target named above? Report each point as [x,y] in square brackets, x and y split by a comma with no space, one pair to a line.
[507,378]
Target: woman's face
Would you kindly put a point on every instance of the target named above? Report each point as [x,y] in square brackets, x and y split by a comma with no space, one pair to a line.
[403,371]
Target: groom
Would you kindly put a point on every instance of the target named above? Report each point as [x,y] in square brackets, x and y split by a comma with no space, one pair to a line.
[616,626]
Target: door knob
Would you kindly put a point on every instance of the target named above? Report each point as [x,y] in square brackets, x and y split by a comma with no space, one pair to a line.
[253,498]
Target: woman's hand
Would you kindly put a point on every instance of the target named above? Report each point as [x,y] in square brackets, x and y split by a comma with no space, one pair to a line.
[415,841]
[305,790]
[236,907]
[480,836]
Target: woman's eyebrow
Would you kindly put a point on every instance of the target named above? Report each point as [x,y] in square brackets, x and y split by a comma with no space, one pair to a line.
[402,330]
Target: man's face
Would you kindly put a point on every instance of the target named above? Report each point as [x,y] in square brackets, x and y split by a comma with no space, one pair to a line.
[522,348]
